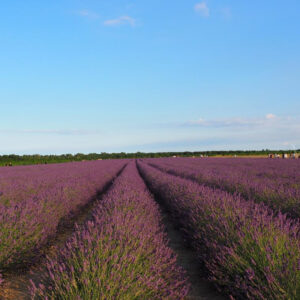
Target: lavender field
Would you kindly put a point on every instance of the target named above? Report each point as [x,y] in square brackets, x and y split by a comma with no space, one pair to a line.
[98,230]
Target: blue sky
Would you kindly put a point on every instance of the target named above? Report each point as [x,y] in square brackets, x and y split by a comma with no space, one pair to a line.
[121,75]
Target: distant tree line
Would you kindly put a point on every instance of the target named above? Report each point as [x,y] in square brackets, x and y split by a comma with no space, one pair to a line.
[13,159]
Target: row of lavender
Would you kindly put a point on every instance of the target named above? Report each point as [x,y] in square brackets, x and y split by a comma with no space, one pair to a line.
[35,198]
[121,253]
[274,182]
[248,251]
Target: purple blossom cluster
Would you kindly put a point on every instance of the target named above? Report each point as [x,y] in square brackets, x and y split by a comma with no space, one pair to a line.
[121,253]
[249,252]
[34,199]
[273,182]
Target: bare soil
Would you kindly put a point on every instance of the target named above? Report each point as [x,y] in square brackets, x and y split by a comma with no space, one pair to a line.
[200,287]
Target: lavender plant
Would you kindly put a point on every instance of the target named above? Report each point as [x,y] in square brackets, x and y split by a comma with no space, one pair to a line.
[122,253]
[35,198]
[273,182]
[249,252]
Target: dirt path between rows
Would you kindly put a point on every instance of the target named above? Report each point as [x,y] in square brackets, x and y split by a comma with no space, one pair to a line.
[200,287]
[16,281]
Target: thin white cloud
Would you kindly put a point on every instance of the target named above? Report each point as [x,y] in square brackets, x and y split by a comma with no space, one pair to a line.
[206,134]
[202,9]
[87,14]
[269,119]
[270,116]
[51,131]
[123,20]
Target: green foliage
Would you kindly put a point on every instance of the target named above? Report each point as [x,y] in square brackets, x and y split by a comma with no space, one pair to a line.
[14,159]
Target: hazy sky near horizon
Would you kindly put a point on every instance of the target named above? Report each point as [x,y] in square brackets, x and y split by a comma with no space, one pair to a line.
[121,75]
